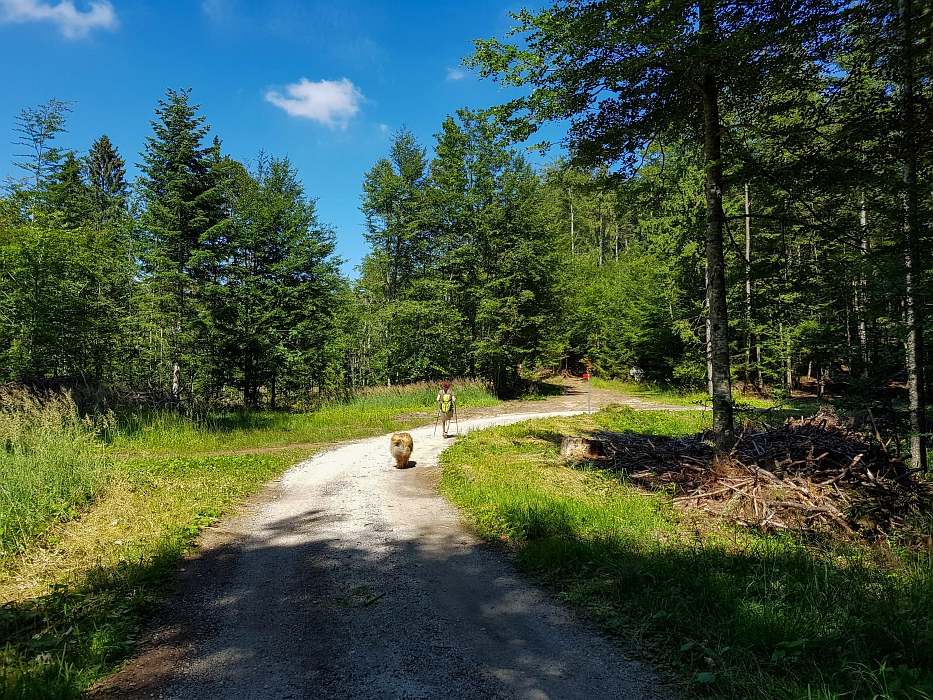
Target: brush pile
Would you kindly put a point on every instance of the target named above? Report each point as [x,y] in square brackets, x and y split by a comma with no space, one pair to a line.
[91,396]
[808,473]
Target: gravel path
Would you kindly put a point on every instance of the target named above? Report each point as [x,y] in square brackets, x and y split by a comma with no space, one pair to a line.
[352,579]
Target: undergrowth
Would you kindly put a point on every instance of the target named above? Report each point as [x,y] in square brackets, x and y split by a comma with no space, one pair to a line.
[734,613]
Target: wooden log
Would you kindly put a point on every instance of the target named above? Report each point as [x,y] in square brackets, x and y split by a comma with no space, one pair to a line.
[578,449]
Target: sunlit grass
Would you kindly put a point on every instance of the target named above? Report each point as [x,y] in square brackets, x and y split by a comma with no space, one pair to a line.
[735,613]
[677,397]
[372,412]
[95,513]
[75,604]
[50,464]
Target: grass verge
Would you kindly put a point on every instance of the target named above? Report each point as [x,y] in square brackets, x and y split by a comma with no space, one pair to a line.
[735,614]
[677,397]
[372,412]
[102,573]
[98,524]
[50,466]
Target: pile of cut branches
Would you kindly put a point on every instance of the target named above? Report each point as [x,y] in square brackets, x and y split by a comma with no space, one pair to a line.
[91,396]
[807,473]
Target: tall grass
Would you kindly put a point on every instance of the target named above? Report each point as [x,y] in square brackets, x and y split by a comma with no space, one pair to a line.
[50,464]
[152,481]
[738,613]
[370,412]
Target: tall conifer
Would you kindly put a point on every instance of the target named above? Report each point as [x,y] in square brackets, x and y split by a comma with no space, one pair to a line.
[177,187]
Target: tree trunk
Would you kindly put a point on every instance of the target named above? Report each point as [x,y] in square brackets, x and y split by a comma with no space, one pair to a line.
[601,228]
[717,323]
[748,286]
[572,236]
[860,288]
[913,265]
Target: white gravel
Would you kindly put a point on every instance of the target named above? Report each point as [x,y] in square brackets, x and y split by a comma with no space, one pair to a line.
[356,580]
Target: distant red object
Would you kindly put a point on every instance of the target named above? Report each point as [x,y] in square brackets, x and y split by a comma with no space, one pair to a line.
[586,376]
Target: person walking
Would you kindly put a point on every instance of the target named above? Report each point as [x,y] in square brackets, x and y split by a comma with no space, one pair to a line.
[445,404]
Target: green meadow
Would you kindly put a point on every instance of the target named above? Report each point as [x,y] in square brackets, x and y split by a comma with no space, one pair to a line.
[732,613]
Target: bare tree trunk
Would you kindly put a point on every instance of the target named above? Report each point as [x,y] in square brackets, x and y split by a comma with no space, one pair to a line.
[860,289]
[748,287]
[913,265]
[572,236]
[789,366]
[717,321]
[601,227]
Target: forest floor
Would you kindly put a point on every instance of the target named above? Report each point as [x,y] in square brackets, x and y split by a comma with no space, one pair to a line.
[349,578]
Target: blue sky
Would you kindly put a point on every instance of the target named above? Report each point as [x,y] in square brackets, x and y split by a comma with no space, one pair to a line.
[324,83]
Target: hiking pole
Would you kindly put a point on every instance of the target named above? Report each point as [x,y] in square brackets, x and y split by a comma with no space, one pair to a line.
[456,421]
[437,418]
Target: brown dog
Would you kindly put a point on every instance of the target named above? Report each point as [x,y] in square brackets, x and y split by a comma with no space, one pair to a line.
[400,447]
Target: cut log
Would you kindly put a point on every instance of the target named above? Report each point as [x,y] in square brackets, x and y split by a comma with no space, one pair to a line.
[579,449]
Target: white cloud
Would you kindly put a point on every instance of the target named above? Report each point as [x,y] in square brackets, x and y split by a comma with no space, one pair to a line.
[72,22]
[456,74]
[330,102]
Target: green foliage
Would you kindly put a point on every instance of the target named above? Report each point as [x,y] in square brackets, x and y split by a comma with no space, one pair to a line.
[270,284]
[106,174]
[38,128]
[630,268]
[459,279]
[181,196]
[63,297]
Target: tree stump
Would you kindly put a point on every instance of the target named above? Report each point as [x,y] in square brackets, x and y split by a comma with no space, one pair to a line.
[578,449]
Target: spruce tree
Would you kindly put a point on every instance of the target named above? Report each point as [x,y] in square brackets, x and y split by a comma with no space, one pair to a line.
[68,197]
[106,174]
[179,196]
[270,283]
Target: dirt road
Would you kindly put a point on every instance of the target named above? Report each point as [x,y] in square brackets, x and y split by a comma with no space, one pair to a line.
[352,579]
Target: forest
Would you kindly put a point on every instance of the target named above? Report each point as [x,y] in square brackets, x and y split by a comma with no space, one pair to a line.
[710,223]
[719,198]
